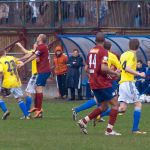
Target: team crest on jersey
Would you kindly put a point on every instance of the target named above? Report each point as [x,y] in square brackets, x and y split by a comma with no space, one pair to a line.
[105,59]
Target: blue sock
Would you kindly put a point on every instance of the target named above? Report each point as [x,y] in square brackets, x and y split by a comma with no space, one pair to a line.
[86,105]
[3,106]
[136,119]
[106,113]
[28,102]
[23,108]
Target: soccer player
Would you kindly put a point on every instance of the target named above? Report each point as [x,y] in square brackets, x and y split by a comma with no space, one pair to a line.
[128,92]
[11,80]
[97,67]
[43,68]
[30,90]
[113,63]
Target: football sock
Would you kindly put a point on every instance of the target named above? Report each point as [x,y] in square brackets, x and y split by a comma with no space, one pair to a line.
[3,106]
[23,107]
[92,115]
[112,119]
[28,102]
[35,100]
[39,100]
[106,113]
[86,105]
[136,118]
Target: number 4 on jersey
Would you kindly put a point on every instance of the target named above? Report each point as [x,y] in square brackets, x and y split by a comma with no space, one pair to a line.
[92,60]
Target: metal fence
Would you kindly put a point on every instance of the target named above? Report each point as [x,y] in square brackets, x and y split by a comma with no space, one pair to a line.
[75,13]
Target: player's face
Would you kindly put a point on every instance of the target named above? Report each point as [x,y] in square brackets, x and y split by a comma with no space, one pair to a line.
[38,39]
[75,53]
[148,64]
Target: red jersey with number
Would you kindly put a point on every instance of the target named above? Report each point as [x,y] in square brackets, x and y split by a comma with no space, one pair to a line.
[96,57]
[43,65]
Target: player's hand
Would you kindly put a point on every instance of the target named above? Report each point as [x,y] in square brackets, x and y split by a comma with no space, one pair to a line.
[117,73]
[21,64]
[142,74]
[35,46]
[18,44]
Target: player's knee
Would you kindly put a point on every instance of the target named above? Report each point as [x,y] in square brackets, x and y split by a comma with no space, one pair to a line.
[138,105]
[39,89]
[28,94]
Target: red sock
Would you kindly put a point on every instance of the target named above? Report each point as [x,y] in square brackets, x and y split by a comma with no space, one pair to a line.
[112,119]
[39,100]
[35,101]
[93,114]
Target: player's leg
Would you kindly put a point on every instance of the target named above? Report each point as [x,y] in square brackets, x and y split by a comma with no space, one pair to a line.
[112,116]
[18,95]
[137,111]
[88,104]
[4,109]
[41,82]
[30,91]
[83,122]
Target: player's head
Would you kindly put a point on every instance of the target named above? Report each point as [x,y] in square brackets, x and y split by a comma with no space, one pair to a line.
[107,45]
[41,38]
[134,44]
[100,38]
[139,64]
[58,50]
[75,52]
[148,63]
[2,53]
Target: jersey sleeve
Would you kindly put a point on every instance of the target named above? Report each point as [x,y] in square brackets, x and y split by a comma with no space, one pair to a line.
[39,51]
[104,57]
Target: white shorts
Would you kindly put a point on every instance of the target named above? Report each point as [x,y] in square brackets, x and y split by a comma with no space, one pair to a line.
[17,92]
[128,93]
[32,84]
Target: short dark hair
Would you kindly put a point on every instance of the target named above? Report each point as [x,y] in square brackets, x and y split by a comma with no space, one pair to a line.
[134,44]
[75,50]
[100,38]
[140,61]
[107,45]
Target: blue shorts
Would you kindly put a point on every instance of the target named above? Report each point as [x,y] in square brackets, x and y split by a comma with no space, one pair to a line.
[104,94]
[42,78]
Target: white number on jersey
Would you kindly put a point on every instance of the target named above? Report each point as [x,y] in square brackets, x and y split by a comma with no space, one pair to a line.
[92,60]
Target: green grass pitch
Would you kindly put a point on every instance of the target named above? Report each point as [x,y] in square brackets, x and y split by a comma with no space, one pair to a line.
[57,130]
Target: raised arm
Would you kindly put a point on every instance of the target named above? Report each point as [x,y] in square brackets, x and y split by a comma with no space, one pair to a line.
[21,48]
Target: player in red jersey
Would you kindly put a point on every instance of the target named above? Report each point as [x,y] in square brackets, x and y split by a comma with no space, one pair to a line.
[43,68]
[97,67]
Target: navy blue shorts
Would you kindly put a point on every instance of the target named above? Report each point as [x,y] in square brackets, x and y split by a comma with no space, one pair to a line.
[42,78]
[104,94]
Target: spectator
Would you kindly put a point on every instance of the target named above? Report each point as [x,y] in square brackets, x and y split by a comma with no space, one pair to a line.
[65,11]
[103,10]
[139,82]
[35,12]
[28,13]
[43,8]
[5,13]
[60,70]
[79,12]
[74,74]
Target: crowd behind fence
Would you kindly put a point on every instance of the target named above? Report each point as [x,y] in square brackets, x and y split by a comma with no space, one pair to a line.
[73,13]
